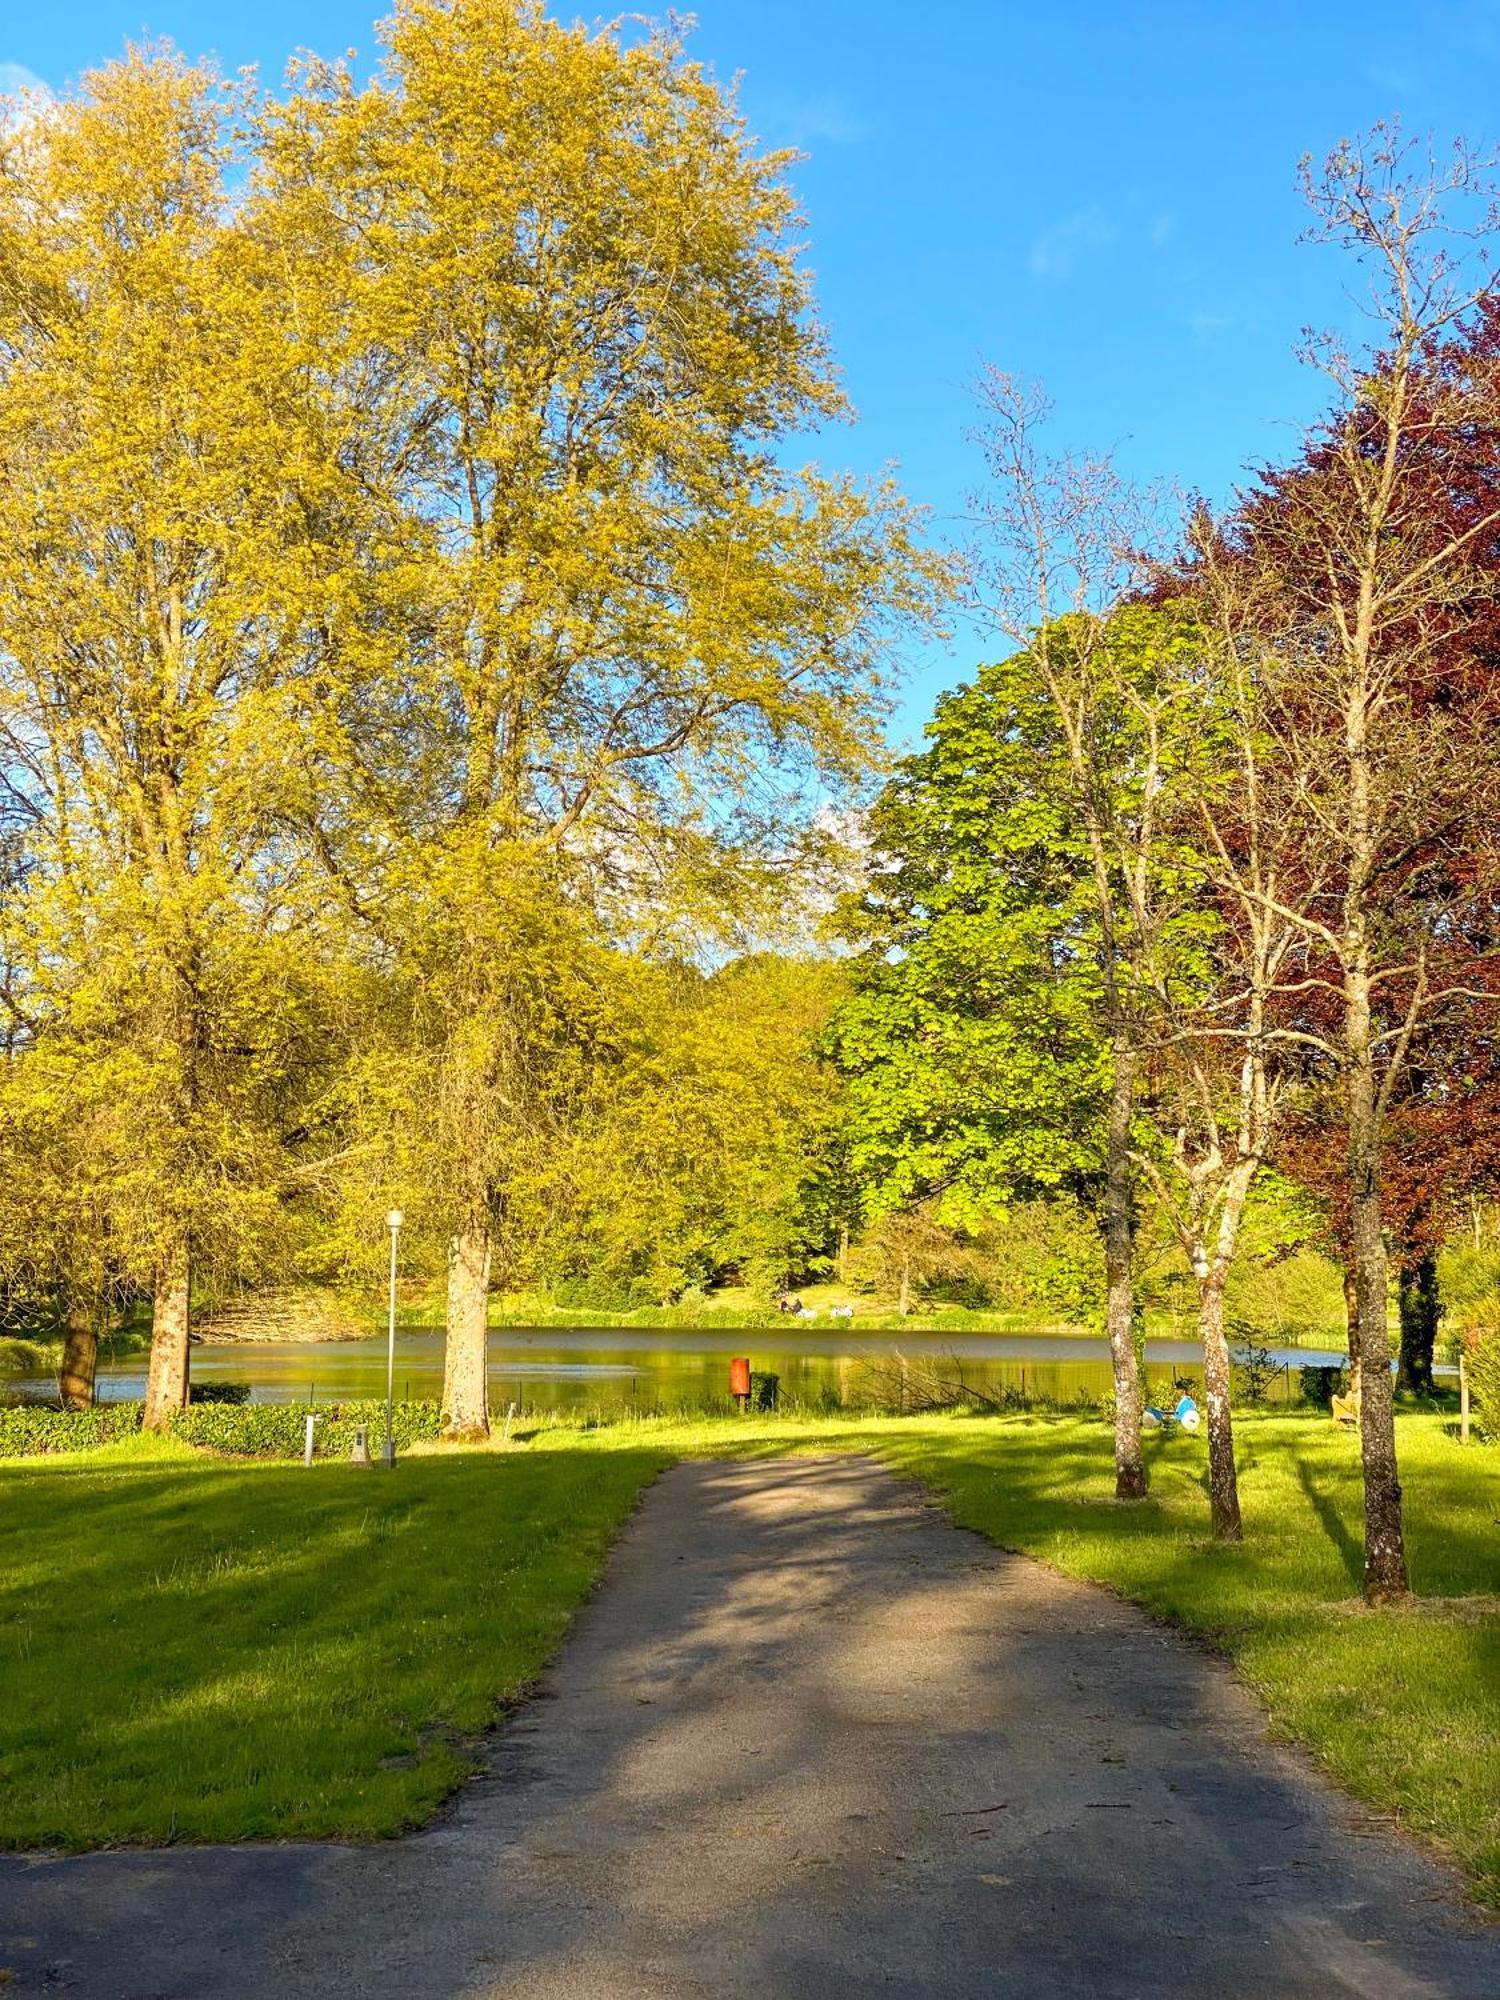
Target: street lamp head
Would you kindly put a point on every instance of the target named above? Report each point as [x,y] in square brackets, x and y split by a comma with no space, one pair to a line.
[394,1220]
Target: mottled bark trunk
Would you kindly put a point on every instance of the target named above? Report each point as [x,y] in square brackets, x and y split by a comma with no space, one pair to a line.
[1421,1311]
[1351,1322]
[1223,1481]
[1119,1278]
[466,1395]
[167,1371]
[80,1359]
[1385,1549]
[903,1300]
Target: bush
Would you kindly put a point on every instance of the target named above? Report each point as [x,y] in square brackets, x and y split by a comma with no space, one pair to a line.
[1482,1362]
[277,1430]
[962,1289]
[25,1357]
[31,1428]
[219,1392]
[1254,1369]
[218,1423]
[765,1390]
[1320,1385]
[595,1293]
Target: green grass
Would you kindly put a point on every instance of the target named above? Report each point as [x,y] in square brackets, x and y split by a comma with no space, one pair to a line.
[203,1650]
[196,1649]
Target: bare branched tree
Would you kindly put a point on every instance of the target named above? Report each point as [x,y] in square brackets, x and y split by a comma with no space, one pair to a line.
[1353,574]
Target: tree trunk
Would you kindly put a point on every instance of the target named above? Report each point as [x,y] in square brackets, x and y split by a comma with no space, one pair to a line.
[843,1257]
[1223,1481]
[466,1391]
[1421,1310]
[168,1370]
[903,1301]
[80,1358]
[1119,1308]
[1385,1550]
[1351,1322]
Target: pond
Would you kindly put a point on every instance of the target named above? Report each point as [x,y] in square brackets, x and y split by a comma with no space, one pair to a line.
[613,1368]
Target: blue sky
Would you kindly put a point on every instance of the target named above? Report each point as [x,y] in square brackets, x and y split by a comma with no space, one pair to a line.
[1097,194]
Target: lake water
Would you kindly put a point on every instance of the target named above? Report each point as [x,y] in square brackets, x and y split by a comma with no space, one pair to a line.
[610,1368]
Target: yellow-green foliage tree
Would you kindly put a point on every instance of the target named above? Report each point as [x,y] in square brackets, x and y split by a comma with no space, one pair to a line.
[710,1146]
[602,623]
[157,509]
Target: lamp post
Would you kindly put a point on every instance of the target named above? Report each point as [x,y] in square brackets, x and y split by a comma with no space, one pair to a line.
[393,1222]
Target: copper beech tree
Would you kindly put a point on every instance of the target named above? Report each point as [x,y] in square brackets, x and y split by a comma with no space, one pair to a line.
[1352,572]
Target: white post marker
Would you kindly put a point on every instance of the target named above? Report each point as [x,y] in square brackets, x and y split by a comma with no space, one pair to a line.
[393,1223]
[307,1442]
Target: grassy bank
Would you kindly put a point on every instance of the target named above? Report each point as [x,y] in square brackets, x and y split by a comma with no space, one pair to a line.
[27,1357]
[42,1354]
[196,1649]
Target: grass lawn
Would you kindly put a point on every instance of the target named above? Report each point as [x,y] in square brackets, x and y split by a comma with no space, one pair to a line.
[199,1649]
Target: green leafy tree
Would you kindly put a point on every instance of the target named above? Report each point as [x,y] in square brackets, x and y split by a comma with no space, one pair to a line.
[157,527]
[710,1157]
[1030,898]
[595,614]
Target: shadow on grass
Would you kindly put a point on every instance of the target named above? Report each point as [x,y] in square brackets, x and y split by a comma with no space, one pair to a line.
[288,1651]
[800,1720]
[1330,1518]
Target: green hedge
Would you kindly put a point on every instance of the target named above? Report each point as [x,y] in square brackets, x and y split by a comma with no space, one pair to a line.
[29,1428]
[277,1430]
[245,1430]
[695,1318]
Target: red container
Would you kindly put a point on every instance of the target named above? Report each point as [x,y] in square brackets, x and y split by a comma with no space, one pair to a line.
[739,1377]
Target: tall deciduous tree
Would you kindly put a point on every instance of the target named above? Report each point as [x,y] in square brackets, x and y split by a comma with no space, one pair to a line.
[604,618]
[1058,562]
[152,526]
[1356,564]
[1028,903]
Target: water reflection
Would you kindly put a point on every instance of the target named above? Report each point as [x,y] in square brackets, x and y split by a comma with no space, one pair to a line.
[612,1368]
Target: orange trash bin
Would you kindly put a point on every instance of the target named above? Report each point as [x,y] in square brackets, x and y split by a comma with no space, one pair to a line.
[739,1381]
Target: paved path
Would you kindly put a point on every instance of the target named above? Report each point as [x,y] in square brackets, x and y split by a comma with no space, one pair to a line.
[810,1742]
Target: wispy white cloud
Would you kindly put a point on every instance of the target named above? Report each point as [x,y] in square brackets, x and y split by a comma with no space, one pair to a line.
[1394,79]
[22,92]
[1057,252]
[1086,233]
[16,79]
[825,119]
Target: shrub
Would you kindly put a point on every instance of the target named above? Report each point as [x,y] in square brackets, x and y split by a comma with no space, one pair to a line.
[277,1430]
[31,1428]
[1254,1369]
[219,1392]
[765,1390]
[1482,1362]
[25,1357]
[1320,1385]
[595,1292]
